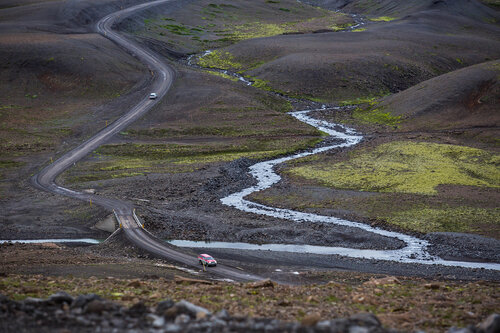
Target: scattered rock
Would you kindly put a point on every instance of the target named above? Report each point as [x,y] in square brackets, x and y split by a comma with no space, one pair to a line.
[50,245]
[91,313]
[382,281]
[222,314]
[97,306]
[201,315]
[138,309]
[164,306]
[190,309]
[267,283]
[82,300]
[61,297]
[311,319]
[358,329]
[172,328]
[155,321]
[284,303]
[182,319]
[368,319]
[33,301]
[433,286]
[134,284]
[181,279]
[171,313]
[491,324]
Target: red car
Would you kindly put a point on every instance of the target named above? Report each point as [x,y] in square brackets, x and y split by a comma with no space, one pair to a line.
[207,260]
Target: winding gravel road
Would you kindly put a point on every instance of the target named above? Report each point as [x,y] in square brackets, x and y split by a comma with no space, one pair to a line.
[164,75]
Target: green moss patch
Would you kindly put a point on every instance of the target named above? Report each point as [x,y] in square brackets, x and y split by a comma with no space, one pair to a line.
[492,3]
[383,19]
[376,116]
[200,26]
[220,60]
[408,167]
[456,219]
[223,75]
[127,160]
[10,164]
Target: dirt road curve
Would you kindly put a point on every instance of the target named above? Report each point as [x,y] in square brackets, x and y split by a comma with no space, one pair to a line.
[163,78]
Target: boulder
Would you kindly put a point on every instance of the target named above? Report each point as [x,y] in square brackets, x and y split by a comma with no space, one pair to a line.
[190,309]
[491,324]
[82,300]
[163,306]
[61,297]
[267,283]
[366,319]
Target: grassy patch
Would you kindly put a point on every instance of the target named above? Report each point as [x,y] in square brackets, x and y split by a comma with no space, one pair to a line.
[359,30]
[127,160]
[10,164]
[220,60]
[224,24]
[383,19]
[408,167]
[456,219]
[340,27]
[256,148]
[492,3]
[223,75]
[374,115]
[360,100]
[261,84]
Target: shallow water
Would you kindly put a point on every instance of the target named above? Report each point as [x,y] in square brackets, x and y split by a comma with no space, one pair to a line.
[415,250]
[61,240]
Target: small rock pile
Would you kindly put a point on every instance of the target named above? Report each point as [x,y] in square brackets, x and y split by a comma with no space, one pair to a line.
[91,313]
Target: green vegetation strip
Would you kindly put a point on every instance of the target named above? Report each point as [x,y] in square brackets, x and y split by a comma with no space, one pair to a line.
[383,19]
[219,59]
[453,219]
[408,167]
[127,160]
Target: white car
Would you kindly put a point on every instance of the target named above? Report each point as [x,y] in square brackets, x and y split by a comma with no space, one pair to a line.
[153,96]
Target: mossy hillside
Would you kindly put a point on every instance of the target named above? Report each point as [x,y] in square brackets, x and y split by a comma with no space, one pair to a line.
[211,25]
[328,20]
[408,167]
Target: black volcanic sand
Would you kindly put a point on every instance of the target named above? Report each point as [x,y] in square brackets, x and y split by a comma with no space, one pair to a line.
[424,42]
